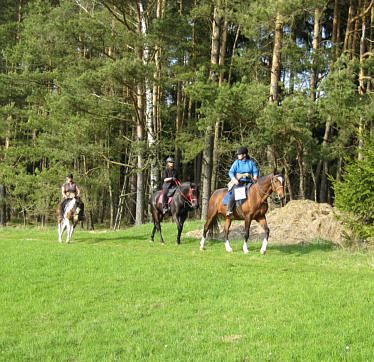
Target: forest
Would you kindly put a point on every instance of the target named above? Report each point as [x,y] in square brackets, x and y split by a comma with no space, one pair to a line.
[107,90]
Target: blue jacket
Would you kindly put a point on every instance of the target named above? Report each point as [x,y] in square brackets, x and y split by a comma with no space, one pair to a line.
[247,166]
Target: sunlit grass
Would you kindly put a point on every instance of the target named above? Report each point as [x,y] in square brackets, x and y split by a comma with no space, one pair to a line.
[115,296]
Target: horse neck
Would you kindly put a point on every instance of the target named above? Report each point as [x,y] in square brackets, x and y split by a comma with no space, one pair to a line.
[264,187]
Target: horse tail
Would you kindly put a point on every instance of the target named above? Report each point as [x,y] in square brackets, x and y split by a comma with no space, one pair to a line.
[213,228]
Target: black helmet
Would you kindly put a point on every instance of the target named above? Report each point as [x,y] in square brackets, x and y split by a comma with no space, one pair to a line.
[242,150]
[70,175]
[170,159]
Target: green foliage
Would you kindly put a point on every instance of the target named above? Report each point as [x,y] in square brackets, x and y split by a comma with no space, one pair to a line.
[354,195]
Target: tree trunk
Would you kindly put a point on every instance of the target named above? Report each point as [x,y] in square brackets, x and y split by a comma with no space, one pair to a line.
[276,60]
[209,135]
[316,46]
[299,150]
[335,32]
[206,173]
[349,31]
[140,106]
[219,124]
[361,79]
[3,216]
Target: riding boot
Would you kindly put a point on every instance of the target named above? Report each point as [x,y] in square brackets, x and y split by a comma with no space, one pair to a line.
[230,206]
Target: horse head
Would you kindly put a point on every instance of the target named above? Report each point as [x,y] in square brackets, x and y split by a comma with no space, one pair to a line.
[190,194]
[277,185]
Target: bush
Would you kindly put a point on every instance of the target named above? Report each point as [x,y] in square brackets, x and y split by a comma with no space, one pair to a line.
[354,196]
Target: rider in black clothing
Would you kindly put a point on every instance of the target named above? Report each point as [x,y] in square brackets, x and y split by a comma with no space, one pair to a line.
[170,176]
[70,190]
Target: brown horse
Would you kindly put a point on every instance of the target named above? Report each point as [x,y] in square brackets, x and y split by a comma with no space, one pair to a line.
[253,208]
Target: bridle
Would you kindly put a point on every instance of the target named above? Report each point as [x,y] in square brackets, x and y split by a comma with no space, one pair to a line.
[189,197]
[275,199]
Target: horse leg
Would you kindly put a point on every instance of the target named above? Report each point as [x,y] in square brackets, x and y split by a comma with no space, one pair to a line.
[157,218]
[153,233]
[227,243]
[247,225]
[62,227]
[69,230]
[72,227]
[209,220]
[59,229]
[180,221]
[264,224]
[159,231]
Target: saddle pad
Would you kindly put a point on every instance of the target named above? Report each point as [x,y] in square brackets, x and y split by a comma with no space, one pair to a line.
[159,201]
[227,196]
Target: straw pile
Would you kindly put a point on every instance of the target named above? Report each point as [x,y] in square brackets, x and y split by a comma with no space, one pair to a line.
[298,221]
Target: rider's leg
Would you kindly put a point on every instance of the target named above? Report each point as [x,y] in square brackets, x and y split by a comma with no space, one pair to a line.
[230,204]
[165,206]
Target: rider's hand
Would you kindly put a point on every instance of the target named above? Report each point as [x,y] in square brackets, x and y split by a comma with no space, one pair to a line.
[235,181]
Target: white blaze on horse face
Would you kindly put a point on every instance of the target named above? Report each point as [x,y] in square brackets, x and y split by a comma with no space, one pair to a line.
[280,178]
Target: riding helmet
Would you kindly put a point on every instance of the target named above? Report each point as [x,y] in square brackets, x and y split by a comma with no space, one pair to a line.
[242,150]
[170,159]
[70,175]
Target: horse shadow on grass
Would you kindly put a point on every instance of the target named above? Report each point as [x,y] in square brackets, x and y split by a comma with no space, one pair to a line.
[300,248]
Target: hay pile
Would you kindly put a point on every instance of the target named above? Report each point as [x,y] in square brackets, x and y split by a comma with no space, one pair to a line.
[298,221]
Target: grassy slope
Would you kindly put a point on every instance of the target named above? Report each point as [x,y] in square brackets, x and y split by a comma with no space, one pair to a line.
[115,296]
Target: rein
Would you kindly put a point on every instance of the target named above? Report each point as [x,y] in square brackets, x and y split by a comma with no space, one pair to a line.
[274,199]
[189,197]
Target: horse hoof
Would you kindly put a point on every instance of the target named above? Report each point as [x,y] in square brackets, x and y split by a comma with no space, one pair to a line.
[262,252]
[246,252]
[229,250]
[202,248]
[151,241]
[163,244]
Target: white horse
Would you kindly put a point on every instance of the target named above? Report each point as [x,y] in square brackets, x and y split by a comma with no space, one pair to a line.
[69,220]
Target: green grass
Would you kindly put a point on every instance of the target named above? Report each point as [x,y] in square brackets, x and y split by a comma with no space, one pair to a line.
[114,296]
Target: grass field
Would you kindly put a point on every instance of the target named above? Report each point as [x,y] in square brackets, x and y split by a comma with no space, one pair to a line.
[114,296]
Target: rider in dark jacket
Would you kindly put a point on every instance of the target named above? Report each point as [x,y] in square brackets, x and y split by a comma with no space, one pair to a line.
[170,178]
[70,190]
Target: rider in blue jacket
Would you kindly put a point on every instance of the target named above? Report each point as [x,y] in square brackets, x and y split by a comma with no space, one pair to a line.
[246,168]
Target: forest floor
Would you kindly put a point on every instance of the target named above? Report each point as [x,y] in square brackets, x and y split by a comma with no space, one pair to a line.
[299,221]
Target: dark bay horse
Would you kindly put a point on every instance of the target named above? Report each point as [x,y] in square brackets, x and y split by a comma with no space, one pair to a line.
[186,198]
[72,211]
[253,208]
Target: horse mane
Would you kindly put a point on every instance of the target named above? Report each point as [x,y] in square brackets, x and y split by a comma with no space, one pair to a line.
[276,173]
[262,178]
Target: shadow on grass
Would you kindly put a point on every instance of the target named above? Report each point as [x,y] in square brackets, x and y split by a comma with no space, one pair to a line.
[300,248]
[305,247]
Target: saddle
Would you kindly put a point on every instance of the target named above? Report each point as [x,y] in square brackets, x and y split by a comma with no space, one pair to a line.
[171,193]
